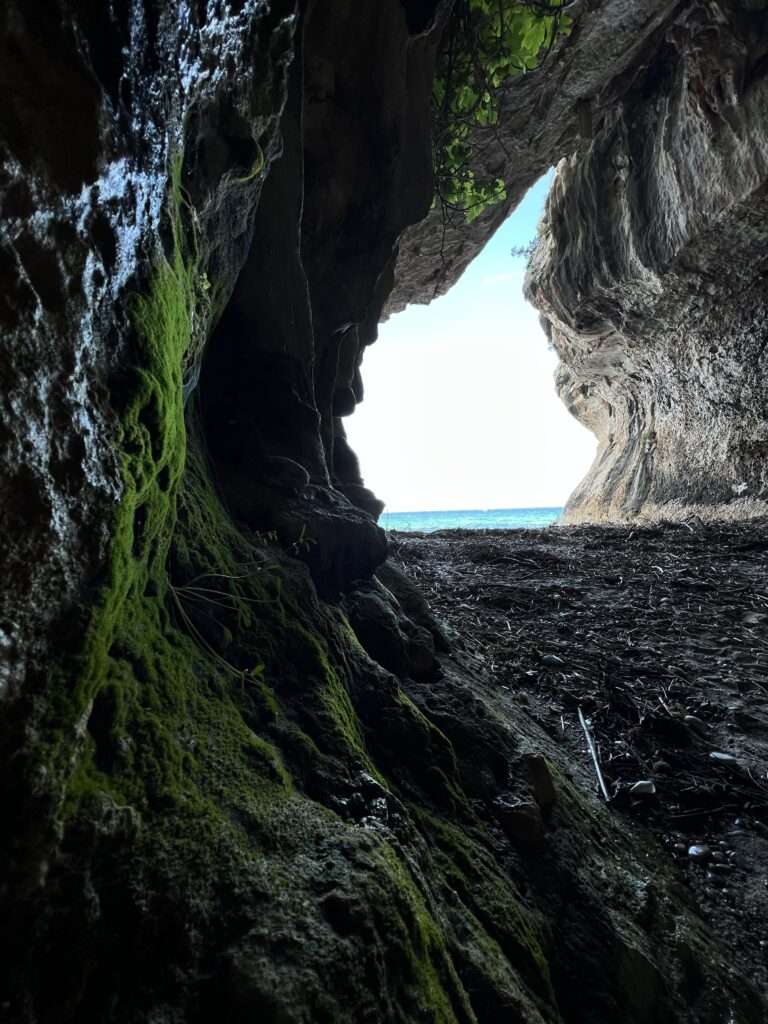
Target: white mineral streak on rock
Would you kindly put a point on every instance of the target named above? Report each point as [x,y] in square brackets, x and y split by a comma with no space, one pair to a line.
[76,260]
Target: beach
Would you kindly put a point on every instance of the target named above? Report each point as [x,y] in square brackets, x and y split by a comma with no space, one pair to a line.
[658,636]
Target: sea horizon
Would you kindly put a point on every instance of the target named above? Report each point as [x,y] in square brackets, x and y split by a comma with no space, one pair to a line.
[533,517]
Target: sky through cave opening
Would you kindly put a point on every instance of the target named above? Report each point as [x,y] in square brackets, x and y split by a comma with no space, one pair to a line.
[460,409]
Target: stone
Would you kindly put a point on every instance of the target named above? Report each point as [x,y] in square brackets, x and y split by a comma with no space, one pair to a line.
[206,209]
[344,401]
[552,660]
[286,474]
[387,634]
[412,601]
[434,253]
[541,781]
[666,286]
[695,723]
[522,821]
[339,542]
[699,852]
[722,758]
[754,618]
[645,787]
[363,498]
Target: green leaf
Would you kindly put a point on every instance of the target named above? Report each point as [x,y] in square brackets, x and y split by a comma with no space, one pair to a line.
[482,53]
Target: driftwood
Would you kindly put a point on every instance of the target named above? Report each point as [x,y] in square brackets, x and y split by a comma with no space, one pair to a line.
[593,752]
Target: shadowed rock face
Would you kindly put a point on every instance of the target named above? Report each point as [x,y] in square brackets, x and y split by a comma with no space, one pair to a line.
[650,273]
[97,106]
[244,775]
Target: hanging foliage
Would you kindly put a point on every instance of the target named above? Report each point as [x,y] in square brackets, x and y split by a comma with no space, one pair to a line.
[487,43]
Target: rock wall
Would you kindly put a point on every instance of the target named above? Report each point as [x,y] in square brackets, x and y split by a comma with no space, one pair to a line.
[246,776]
[544,116]
[651,268]
[87,148]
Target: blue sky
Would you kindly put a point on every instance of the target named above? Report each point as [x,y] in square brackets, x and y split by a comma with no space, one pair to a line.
[460,410]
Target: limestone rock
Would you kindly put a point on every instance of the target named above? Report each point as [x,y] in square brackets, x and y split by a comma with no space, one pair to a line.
[650,272]
[545,116]
[387,634]
[541,781]
[243,777]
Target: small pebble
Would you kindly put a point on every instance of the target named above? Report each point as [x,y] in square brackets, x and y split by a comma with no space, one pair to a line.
[722,758]
[718,855]
[643,788]
[552,660]
[753,618]
[695,723]
[699,852]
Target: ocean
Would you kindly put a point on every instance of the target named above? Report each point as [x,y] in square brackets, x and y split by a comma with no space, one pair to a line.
[471,519]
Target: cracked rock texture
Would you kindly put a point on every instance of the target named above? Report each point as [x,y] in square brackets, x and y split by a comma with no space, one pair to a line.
[98,103]
[650,273]
[544,116]
[245,776]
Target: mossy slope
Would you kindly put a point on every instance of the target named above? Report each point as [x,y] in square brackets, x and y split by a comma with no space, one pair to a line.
[229,830]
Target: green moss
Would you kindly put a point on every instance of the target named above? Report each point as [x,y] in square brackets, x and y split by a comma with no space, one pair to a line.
[439,994]
[156,710]
[411,750]
[162,712]
[125,635]
[341,720]
[434,740]
[510,932]
[201,749]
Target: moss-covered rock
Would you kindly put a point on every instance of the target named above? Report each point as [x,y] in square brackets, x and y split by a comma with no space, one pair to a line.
[225,794]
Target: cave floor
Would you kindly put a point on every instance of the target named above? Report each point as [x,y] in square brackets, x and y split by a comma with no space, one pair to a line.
[659,635]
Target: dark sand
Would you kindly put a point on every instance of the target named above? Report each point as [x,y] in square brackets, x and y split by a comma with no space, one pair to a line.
[660,635]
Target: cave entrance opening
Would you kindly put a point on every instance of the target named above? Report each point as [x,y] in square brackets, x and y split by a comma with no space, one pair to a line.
[460,409]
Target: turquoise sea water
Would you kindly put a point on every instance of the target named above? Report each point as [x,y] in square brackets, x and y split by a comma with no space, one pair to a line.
[471,519]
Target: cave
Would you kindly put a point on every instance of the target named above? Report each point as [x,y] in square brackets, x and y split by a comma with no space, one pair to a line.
[259,761]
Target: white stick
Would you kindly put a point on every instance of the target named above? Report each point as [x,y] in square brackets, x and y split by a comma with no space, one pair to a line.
[593,752]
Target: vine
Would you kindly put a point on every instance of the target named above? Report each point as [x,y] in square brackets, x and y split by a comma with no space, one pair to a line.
[488,42]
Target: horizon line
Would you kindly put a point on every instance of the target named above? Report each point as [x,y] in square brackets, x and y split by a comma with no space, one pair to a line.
[501,508]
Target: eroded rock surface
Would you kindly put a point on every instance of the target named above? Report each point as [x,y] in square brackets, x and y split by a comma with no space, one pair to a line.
[543,117]
[650,273]
[244,777]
